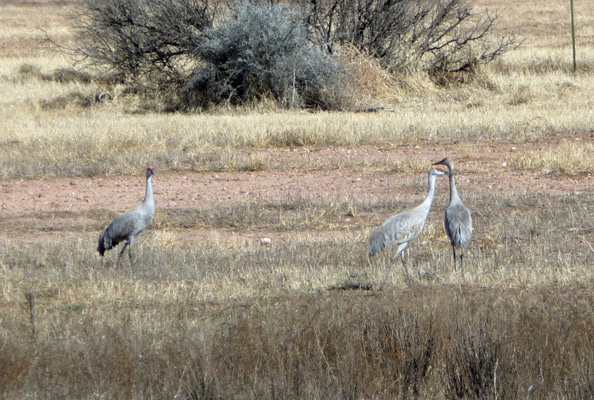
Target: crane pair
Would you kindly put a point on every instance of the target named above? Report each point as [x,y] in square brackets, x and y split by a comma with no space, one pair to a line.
[401,228]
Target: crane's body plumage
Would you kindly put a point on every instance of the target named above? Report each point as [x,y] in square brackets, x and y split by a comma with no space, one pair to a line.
[458,223]
[397,229]
[401,228]
[129,224]
[458,219]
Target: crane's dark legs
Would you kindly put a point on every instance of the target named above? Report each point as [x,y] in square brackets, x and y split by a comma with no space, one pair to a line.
[454,250]
[402,250]
[131,260]
[122,252]
[129,246]
[462,259]
[404,260]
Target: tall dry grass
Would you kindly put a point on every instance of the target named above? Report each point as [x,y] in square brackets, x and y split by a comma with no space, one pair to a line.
[309,317]
[340,344]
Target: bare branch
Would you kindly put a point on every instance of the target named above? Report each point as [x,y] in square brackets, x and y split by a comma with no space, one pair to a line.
[408,35]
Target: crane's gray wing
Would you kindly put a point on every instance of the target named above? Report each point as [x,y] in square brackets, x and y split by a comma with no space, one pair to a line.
[119,230]
[123,226]
[398,229]
[458,224]
[404,227]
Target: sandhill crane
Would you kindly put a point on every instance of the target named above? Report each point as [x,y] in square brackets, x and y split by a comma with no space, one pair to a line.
[458,221]
[401,228]
[129,224]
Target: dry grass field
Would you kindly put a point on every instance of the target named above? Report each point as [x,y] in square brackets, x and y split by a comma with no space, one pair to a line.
[212,314]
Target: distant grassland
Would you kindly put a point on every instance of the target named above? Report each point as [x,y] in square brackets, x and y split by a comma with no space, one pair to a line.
[85,128]
[83,136]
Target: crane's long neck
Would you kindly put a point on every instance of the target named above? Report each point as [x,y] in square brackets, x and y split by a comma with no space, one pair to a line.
[429,199]
[453,191]
[148,197]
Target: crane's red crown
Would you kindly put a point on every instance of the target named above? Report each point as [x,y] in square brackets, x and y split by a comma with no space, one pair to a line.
[151,169]
[439,169]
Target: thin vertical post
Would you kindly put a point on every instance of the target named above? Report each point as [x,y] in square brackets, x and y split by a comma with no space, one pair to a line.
[572,35]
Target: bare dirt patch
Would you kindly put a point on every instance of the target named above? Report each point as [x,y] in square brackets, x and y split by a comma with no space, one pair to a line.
[70,208]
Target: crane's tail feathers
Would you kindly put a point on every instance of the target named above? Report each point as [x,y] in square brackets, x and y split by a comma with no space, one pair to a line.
[376,241]
[104,242]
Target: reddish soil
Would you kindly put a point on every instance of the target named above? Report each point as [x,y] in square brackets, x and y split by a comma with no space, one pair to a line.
[66,208]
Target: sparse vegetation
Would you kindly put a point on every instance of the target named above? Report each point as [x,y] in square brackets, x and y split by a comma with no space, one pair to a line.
[213,314]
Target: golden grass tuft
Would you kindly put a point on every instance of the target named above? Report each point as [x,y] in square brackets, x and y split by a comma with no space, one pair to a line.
[570,158]
[373,82]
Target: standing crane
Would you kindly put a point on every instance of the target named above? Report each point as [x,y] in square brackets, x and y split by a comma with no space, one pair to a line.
[129,224]
[401,228]
[458,221]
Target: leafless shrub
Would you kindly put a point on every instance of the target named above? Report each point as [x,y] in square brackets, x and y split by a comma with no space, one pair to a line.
[407,35]
[257,51]
[196,57]
[145,42]
[260,52]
